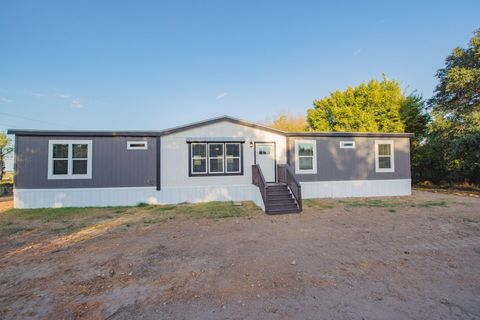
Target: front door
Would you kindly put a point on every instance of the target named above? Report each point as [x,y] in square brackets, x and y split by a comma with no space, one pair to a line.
[265,158]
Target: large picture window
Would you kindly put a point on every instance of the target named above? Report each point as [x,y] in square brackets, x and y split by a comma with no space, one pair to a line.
[305,156]
[70,159]
[384,160]
[215,158]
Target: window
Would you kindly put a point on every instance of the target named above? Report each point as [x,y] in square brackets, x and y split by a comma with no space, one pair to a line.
[70,159]
[347,144]
[199,158]
[305,156]
[384,158]
[233,157]
[137,145]
[216,158]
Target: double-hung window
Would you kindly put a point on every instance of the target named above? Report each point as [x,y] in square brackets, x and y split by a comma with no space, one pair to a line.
[233,164]
[305,156]
[198,158]
[70,159]
[215,158]
[384,157]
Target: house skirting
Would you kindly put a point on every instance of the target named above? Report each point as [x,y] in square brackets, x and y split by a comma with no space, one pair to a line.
[131,196]
[356,188]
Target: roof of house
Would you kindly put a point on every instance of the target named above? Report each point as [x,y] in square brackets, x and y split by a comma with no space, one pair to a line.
[78,133]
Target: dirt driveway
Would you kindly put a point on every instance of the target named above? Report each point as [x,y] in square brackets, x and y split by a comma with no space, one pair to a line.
[413,257]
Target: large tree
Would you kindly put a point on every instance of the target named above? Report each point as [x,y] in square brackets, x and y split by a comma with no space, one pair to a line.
[288,122]
[369,107]
[458,91]
[454,136]
[5,149]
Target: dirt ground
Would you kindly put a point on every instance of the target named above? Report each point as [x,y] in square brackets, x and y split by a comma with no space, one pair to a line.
[414,257]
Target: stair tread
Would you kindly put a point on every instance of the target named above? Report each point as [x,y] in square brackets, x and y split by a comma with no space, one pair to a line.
[282,211]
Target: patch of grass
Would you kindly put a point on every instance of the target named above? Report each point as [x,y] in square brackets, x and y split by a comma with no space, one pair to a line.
[392,210]
[468,220]
[46,214]
[159,208]
[142,204]
[15,229]
[71,228]
[70,220]
[211,210]
[317,204]
[156,220]
[429,204]
[377,203]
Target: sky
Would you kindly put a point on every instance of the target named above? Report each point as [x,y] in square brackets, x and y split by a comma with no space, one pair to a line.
[150,65]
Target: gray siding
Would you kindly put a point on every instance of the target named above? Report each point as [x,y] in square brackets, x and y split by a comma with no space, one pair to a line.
[335,164]
[112,164]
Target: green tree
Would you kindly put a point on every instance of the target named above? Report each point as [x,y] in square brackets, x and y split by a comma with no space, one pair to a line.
[454,135]
[415,118]
[288,122]
[5,149]
[369,107]
[458,91]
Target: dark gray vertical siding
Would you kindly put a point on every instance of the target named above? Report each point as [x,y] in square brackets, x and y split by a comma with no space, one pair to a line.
[335,164]
[112,164]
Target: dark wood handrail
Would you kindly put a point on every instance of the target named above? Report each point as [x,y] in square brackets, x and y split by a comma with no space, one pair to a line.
[259,180]
[285,175]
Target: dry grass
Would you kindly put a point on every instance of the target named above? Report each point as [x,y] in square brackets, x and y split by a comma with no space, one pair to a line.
[69,220]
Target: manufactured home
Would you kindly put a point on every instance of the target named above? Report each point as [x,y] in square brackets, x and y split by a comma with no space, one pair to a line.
[221,159]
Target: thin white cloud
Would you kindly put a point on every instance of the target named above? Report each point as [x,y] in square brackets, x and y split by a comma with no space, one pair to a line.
[6,100]
[357,52]
[62,95]
[221,95]
[76,103]
[36,94]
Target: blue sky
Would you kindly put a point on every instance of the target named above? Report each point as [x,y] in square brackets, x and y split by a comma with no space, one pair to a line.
[155,64]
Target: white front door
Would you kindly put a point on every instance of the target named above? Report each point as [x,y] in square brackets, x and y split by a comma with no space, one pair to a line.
[265,158]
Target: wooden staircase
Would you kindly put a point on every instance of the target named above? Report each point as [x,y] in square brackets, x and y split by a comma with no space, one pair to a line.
[285,196]
[280,199]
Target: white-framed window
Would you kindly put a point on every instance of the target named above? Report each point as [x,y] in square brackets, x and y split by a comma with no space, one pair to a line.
[215,158]
[69,159]
[384,156]
[198,158]
[137,145]
[305,156]
[232,156]
[347,144]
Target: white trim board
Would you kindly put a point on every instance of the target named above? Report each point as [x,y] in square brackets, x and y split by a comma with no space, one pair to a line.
[101,197]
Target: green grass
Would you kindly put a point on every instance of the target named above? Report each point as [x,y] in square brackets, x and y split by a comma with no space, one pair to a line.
[70,220]
[317,204]
[376,203]
[429,204]
[390,204]
[53,214]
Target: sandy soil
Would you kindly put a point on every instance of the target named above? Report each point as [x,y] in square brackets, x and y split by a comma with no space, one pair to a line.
[414,257]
